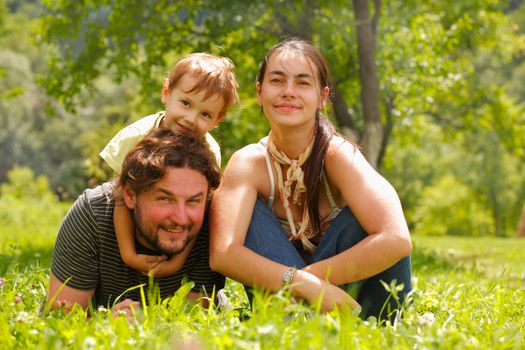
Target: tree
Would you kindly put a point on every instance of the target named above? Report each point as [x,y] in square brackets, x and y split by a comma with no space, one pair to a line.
[448,101]
[373,138]
[29,135]
[420,46]
[520,232]
[419,65]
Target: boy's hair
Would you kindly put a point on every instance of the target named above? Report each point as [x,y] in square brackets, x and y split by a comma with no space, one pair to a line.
[148,161]
[213,74]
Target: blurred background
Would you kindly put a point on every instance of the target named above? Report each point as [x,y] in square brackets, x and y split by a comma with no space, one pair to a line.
[433,91]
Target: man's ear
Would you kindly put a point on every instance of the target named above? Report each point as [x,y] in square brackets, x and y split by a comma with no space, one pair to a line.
[130,198]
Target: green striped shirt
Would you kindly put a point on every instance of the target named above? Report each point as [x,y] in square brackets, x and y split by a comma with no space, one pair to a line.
[87,253]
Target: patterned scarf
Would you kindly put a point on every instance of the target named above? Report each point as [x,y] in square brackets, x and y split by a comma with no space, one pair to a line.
[295,175]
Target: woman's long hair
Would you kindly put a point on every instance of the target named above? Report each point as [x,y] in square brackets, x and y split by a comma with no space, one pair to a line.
[324,129]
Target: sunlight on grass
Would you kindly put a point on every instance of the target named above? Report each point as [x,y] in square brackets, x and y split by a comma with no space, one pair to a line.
[468,295]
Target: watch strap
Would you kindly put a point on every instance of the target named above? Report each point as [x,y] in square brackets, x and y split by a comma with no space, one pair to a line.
[288,275]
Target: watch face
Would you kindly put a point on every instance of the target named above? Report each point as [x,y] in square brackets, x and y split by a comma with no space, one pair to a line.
[288,275]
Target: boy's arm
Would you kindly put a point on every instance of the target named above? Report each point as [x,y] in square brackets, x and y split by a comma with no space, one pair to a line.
[125,233]
[117,148]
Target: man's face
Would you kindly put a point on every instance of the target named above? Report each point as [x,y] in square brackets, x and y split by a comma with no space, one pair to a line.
[169,215]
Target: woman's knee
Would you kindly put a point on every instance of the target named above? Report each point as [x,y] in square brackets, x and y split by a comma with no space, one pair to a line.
[266,237]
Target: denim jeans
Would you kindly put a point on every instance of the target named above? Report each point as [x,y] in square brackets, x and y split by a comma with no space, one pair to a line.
[266,237]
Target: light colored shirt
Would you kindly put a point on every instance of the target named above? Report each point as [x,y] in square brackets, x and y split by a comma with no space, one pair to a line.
[116,149]
[325,222]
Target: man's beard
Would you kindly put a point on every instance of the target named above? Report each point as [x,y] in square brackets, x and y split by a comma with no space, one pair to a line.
[153,238]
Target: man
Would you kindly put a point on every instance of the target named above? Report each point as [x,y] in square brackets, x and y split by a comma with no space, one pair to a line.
[166,180]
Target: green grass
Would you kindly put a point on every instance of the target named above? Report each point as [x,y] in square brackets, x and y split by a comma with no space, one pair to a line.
[469,294]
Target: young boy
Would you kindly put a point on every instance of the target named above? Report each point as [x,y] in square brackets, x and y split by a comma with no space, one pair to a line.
[197,94]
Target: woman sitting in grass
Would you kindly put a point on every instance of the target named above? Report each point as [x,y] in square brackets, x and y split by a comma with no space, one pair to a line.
[303,208]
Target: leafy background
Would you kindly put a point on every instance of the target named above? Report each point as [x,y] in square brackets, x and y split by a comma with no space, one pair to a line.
[451,109]
[449,77]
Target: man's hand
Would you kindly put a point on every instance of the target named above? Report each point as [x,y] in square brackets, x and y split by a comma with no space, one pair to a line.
[127,308]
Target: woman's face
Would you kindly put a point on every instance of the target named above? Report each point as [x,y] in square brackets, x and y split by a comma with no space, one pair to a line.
[290,93]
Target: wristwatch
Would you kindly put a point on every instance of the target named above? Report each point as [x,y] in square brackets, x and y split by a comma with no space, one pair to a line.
[288,275]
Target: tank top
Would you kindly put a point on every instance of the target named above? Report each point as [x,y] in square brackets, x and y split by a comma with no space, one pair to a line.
[325,222]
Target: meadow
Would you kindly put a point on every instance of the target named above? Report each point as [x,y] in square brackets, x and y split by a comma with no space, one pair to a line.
[469,294]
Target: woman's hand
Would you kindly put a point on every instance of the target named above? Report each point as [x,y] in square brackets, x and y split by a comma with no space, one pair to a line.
[315,290]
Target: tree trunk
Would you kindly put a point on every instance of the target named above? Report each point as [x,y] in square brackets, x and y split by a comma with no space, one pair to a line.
[344,118]
[372,136]
[372,141]
[520,232]
[494,205]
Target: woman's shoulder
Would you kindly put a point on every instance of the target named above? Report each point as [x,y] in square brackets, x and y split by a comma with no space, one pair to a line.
[341,147]
[252,151]
[248,158]
[344,157]
[247,166]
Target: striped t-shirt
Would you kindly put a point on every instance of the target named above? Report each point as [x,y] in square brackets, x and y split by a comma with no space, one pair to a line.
[87,253]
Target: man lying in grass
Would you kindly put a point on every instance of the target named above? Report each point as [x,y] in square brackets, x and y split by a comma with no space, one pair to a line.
[166,181]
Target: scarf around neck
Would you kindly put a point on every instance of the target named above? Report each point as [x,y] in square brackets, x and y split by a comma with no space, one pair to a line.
[294,174]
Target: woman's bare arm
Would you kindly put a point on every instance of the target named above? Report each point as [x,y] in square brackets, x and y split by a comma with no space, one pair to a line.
[230,214]
[376,205]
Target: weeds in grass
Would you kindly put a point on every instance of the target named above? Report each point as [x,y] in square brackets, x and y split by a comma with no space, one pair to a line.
[456,304]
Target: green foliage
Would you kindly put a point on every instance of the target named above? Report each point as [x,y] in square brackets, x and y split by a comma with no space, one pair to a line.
[451,208]
[28,205]
[501,186]
[29,219]
[450,80]
[466,186]
[22,184]
[426,50]
[30,136]
[427,54]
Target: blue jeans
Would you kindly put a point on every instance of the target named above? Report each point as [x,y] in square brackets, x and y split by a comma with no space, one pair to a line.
[266,237]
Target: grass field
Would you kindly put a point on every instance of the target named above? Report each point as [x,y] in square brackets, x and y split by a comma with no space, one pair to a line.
[469,294]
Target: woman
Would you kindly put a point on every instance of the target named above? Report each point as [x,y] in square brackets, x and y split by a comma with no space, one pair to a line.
[303,207]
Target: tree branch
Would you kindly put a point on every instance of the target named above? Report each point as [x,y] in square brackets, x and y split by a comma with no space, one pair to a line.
[389,125]
[441,120]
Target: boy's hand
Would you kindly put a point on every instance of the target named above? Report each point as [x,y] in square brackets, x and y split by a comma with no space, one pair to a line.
[145,263]
[171,266]
[162,269]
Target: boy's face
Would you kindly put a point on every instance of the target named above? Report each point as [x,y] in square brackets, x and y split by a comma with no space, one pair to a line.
[189,112]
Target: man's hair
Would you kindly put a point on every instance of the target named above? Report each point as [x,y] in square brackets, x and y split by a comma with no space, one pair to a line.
[213,74]
[148,161]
